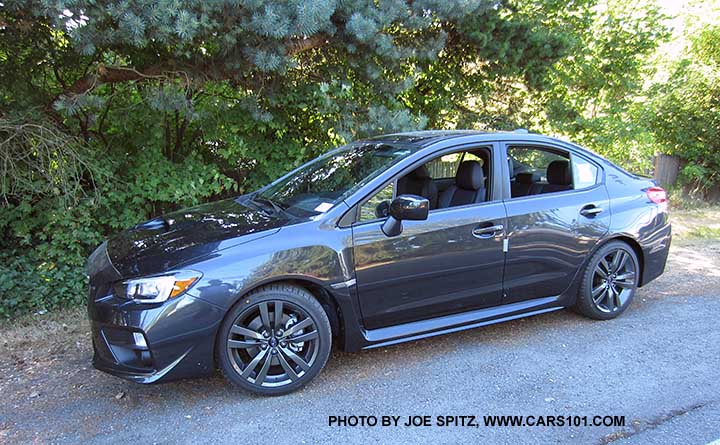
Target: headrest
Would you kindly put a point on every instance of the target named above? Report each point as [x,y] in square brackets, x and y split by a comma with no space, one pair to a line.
[527,177]
[470,176]
[511,167]
[419,173]
[558,173]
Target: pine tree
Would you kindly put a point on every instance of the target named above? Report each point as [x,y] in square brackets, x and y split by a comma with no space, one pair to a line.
[378,49]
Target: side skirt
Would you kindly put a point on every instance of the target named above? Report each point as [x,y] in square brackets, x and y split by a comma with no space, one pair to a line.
[459,322]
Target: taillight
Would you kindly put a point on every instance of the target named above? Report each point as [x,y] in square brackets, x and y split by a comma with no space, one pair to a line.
[658,195]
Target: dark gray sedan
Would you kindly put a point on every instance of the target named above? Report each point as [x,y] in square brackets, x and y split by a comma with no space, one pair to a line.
[381,241]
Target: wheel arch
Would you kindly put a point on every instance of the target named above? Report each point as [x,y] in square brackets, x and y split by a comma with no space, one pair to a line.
[630,241]
[326,299]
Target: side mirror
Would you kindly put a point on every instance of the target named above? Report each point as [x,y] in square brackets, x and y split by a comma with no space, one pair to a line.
[405,207]
[383,209]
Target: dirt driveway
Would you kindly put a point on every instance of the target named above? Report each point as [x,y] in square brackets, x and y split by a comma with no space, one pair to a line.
[658,365]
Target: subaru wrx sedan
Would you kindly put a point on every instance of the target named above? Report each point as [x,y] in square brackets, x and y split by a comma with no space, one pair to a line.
[378,242]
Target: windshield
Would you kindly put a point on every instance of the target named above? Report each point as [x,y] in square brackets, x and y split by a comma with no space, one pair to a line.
[319,185]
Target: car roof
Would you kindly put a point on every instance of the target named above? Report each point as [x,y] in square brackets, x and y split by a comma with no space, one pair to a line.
[427,137]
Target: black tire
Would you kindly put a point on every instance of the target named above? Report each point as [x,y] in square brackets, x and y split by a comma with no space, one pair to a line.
[609,282]
[252,344]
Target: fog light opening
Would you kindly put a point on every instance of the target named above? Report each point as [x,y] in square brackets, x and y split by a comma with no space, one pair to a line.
[139,339]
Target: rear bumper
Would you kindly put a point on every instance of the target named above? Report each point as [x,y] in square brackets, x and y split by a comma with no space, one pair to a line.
[655,253]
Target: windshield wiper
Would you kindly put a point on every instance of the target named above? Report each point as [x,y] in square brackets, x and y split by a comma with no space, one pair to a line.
[261,199]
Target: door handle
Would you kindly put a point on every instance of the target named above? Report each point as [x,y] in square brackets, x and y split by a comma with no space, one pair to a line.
[487,232]
[591,210]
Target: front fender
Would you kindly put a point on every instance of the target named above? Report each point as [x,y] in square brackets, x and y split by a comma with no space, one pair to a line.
[303,252]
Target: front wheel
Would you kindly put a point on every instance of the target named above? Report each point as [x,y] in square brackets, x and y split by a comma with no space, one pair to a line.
[609,282]
[275,340]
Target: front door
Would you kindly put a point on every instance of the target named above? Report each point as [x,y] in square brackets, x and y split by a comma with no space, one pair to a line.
[433,268]
[450,263]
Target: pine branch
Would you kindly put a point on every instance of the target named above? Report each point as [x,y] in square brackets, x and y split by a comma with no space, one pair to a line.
[110,74]
[167,70]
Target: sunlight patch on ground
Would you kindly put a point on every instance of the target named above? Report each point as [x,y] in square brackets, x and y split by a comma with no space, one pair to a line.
[696,261]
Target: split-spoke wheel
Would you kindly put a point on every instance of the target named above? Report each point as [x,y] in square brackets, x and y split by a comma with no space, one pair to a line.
[610,281]
[275,340]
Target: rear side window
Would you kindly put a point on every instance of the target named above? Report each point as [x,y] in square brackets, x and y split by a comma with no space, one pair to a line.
[540,170]
[534,160]
[584,173]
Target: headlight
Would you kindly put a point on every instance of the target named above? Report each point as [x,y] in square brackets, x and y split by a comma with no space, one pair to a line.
[157,289]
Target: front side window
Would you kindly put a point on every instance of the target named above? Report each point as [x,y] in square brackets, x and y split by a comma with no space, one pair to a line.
[319,185]
[445,167]
[450,180]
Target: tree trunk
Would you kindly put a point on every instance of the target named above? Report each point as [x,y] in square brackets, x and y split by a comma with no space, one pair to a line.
[666,169]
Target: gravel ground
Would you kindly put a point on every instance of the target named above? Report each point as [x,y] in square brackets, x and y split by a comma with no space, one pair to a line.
[658,365]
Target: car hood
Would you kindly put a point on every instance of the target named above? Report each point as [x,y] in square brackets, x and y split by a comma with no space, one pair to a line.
[170,240]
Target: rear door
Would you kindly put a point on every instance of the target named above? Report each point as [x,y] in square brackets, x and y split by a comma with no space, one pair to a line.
[450,263]
[551,232]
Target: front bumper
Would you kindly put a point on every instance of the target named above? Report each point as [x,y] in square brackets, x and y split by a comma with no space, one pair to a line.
[170,341]
[148,343]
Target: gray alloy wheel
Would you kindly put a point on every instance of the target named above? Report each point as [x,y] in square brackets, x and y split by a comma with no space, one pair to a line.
[609,282]
[275,340]
[614,281]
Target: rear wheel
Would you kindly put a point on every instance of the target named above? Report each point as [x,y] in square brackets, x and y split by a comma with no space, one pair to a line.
[609,282]
[275,340]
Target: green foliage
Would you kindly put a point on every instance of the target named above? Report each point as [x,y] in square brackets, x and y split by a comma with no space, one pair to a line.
[47,238]
[42,160]
[43,254]
[684,111]
[594,99]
